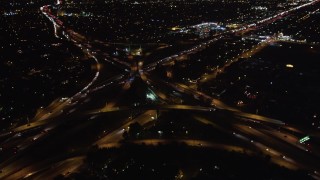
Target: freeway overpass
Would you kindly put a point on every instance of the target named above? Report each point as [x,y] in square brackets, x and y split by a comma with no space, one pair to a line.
[175,107]
[248,116]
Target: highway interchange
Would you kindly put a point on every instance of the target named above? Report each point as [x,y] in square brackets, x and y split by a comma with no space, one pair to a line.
[271,136]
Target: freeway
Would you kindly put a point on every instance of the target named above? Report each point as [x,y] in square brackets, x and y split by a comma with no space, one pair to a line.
[247,54]
[282,150]
[153,107]
[199,47]
[189,142]
[64,167]
[52,116]
[241,29]
[213,101]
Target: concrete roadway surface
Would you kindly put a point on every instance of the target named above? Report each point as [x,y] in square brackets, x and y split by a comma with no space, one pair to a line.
[42,117]
[145,118]
[22,166]
[269,139]
[289,146]
[285,152]
[240,130]
[116,135]
[23,142]
[184,89]
[62,107]
[282,146]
